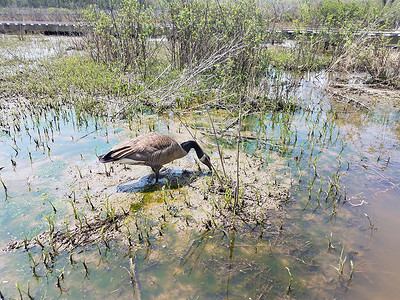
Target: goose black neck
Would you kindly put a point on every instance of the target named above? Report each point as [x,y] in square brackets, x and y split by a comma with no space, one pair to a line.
[192,144]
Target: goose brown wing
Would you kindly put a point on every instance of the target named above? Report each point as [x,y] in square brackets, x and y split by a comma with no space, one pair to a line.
[142,148]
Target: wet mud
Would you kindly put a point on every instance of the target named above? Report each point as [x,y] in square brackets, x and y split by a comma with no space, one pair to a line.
[365,97]
[113,201]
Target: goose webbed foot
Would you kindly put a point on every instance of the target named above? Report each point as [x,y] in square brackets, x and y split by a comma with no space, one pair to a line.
[152,179]
[157,173]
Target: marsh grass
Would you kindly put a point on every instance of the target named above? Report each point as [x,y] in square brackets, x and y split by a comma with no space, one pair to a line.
[5,189]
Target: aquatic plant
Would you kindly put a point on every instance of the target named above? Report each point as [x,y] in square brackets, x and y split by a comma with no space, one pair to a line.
[289,287]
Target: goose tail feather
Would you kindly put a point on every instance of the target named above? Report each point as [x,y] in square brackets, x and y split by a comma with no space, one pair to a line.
[106,158]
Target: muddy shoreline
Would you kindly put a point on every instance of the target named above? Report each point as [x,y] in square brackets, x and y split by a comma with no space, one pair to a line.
[365,97]
[106,202]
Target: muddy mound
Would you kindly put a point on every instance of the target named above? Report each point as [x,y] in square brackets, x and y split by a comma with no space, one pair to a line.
[113,201]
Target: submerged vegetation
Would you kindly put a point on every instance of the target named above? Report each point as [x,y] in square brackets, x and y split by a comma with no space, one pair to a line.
[221,72]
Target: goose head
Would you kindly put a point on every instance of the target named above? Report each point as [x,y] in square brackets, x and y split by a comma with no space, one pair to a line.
[205,159]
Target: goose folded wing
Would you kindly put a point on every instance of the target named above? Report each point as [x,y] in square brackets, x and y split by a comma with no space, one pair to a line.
[128,152]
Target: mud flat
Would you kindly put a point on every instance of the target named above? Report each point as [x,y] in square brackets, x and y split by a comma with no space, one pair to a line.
[365,97]
[112,201]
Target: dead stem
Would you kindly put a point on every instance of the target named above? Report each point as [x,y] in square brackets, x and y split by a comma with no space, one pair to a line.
[134,279]
[216,141]
[191,134]
[238,157]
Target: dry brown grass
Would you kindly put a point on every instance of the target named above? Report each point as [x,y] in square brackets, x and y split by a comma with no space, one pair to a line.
[379,61]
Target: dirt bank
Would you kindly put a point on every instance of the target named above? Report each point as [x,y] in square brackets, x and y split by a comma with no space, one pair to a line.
[365,97]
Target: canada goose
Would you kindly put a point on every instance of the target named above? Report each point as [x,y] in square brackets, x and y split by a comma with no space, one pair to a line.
[154,150]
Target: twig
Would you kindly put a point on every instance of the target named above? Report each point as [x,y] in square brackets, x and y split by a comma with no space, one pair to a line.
[191,134]
[135,279]
[235,205]
[359,204]
[137,96]
[216,140]
[219,56]
[348,100]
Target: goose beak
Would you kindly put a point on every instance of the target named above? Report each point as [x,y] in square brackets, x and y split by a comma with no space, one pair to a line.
[206,160]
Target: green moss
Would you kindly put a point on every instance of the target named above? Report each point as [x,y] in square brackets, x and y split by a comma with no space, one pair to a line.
[149,195]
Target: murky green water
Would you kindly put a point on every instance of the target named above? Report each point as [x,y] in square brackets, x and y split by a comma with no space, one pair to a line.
[350,169]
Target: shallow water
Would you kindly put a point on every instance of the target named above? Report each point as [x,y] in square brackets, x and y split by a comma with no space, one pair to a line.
[361,149]
[217,266]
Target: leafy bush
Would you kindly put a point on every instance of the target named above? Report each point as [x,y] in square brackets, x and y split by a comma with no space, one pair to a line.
[201,35]
[338,14]
[122,34]
[200,28]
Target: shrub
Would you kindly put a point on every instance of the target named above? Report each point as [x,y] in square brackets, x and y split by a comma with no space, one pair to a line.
[122,34]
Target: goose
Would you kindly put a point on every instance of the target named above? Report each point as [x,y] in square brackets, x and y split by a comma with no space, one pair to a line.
[154,150]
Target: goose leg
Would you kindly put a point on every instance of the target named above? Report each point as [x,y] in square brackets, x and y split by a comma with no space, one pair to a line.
[157,172]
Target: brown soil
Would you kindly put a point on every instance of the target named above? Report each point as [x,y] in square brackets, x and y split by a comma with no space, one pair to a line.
[365,97]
